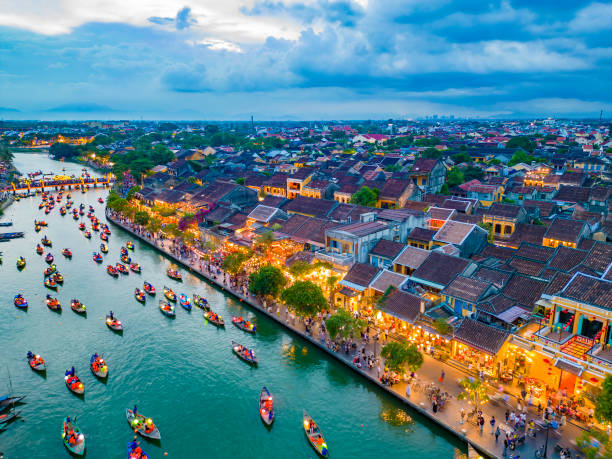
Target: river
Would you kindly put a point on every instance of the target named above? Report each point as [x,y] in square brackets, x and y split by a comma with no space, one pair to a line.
[180,372]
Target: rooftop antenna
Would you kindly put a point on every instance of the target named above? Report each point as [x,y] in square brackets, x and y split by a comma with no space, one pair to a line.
[600,115]
[252,124]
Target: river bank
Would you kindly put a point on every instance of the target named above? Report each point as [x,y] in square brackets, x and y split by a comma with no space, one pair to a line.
[418,402]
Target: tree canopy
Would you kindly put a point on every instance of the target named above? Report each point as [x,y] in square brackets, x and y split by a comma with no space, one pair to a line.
[521,142]
[366,197]
[141,217]
[343,323]
[234,261]
[603,403]
[399,355]
[455,177]
[267,281]
[304,298]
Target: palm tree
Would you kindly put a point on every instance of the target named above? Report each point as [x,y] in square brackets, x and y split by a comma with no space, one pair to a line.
[474,391]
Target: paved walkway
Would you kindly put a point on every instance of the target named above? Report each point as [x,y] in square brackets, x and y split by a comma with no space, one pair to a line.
[449,417]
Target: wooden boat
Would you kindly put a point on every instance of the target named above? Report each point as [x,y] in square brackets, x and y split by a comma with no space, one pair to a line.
[214,318]
[46,242]
[39,249]
[105,229]
[21,262]
[7,417]
[77,306]
[53,303]
[7,401]
[140,295]
[82,226]
[113,323]
[75,216]
[122,269]
[243,324]
[98,366]
[103,248]
[313,433]
[169,293]
[244,353]
[104,236]
[50,270]
[20,302]
[100,200]
[73,438]
[123,251]
[37,228]
[87,234]
[62,210]
[167,308]
[50,283]
[134,451]
[142,425]
[184,301]
[149,288]
[57,277]
[49,258]
[67,253]
[129,245]
[135,267]
[200,302]
[110,269]
[174,274]
[37,363]
[266,406]
[125,259]
[97,257]
[73,383]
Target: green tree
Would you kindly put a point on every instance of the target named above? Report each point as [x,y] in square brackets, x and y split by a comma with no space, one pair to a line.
[63,150]
[398,355]
[455,177]
[234,262]
[171,230]
[267,281]
[131,192]
[474,391]
[366,197]
[431,153]
[154,225]
[240,180]
[118,205]
[304,298]
[521,142]
[141,217]
[473,172]
[343,323]
[594,444]
[520,157]
[462,157]
[603,403]
[442,327]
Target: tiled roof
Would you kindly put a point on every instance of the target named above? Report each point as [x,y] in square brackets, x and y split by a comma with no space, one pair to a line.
[386,248]
[440,269]
[534,252]
[342,212]
[483,337]
[273,201]
[528,267]
[412,257]
[424,165]
[422,234]
[496,304]
[313,231]
[567,258]
[293,224]
[599,257]
[416,205]
[499,209]
[600,193]
[309,206]
[439,213]
[403,305]
[361,274]
[360,229]
[590,290]
[468,218]
[497,277]
[387,278]
[546,207]
[557,283]
[525,290]
[501,253]
[454,232]
[394,188]
[569,193]
[263,213]
[525,232]
[563,229]
[457,204]
[276,181]
[466,288]
[305,256]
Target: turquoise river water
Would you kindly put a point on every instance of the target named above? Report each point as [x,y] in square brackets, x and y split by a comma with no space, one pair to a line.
[180,372]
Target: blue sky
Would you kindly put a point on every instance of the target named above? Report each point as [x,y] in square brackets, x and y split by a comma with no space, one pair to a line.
[319,59]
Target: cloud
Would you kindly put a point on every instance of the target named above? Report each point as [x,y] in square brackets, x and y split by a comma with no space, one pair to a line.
[81,108]
[183,19]
[594,18]
[343,12]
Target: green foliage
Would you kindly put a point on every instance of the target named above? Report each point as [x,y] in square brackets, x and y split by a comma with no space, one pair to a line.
[192,179]
[431,153]
[343,323]
[5,153]
[398,355]
[386,294]
[154,225]
[64,150]
[455,177]
[234,261]
[141,217]
[164,211]
[240,180]
[267,281]
[393,168]
[118,205]
[594,444]
[474,391]
[195,165]
[131,192]
[428,142]
[472,172]
[462,157]
[445,190]
[303,268]
[441,326]
[366,197]
[603,403]
[171,230]
[304,298]
[521,142]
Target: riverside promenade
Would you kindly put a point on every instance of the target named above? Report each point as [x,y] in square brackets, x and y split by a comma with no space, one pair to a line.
[449,417]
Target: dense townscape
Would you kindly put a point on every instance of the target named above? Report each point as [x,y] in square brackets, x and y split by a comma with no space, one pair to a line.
[438,247]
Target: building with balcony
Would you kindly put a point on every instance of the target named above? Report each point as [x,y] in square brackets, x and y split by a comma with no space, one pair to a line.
[503,219]
[297,181]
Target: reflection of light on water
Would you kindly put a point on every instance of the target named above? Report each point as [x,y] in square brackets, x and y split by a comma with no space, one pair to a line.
[396,417]
[290,352]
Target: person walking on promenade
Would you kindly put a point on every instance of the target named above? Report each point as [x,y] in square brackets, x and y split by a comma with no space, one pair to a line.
[497,434]
[492,422]
[442,376]
[408,390]
[507,415]
[481,422]
[462,415]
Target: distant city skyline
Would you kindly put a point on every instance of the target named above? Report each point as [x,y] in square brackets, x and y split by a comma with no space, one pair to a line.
[305,60]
